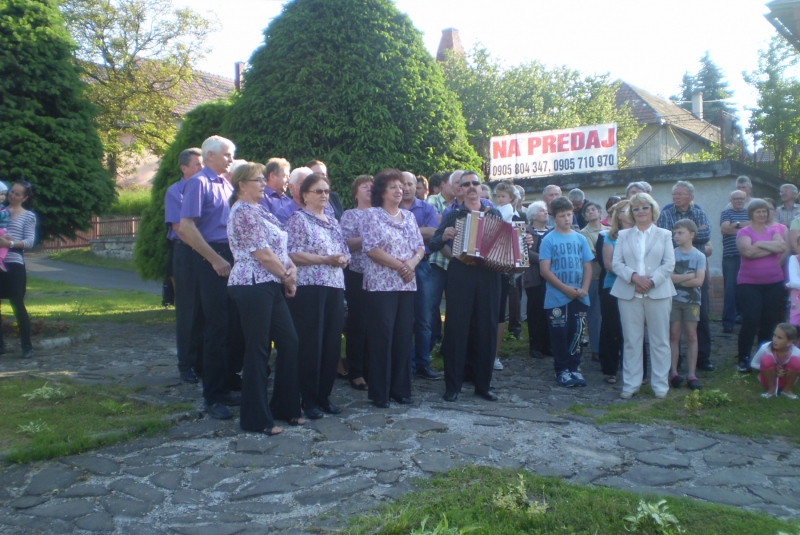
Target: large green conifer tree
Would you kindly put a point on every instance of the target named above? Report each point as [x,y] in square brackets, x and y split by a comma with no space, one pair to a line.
[46,131]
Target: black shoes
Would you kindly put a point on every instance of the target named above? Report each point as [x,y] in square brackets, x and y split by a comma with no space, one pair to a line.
[232,400]
[381,404]
[330,408]
[26,354]
[450,396]
[189,377]
[706,366]
[427,373]
[744,366]
[218,411]
[313,413]
[403,401]
[488,396]
[727,330]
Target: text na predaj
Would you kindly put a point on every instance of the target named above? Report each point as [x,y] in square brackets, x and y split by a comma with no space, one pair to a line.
[581,149]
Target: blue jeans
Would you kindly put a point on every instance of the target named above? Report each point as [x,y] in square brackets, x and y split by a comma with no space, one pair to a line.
[730,271]
[439,280]
[421,353]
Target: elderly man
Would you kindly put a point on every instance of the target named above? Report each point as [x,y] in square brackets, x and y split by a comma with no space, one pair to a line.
[203,226]
[788,211]
[427,221]
[729,224]
[188,336]
[683,207]
[743,183]
[551,192]
[440,259]
[334,201]
[275,199]
[578,200]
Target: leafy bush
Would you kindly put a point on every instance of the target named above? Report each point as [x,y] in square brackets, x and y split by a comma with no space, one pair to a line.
[131,202]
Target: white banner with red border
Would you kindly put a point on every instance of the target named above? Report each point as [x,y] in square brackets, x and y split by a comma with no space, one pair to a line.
[554,152]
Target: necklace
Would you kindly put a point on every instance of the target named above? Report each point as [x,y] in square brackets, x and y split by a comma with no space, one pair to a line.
[390,214]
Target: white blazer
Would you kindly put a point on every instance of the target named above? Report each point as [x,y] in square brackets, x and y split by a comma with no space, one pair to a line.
[659,261]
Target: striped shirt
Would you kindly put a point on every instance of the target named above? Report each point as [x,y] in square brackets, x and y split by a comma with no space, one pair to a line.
[21,228]
[729,242]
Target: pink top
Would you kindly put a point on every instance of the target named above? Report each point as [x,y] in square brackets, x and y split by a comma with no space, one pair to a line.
[399,239]
[310,234]
[350,222]
[765,270]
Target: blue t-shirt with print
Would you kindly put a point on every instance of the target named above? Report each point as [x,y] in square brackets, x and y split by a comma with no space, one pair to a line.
[567,254]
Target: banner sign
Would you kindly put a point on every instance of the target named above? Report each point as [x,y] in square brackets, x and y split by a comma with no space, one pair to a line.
[555,152]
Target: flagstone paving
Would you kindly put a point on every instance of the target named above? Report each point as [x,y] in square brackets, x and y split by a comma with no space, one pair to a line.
[206,477]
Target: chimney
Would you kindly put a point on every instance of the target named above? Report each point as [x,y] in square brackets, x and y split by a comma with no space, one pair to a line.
[239,67]
[450,41]
[697,104]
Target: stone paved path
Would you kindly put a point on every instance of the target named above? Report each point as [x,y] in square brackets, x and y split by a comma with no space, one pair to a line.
[205,477]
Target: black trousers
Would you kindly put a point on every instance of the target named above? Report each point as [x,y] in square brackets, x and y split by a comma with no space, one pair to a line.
[222,334]
[611,341]
[472,309]
[514,306]
[13,284]
[704,325]
[389,343]
[188,315]
[318,314]
[763,306]
[538,330]
[356,335]
[265,316]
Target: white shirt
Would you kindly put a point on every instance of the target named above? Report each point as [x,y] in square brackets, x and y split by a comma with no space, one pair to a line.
[641,236]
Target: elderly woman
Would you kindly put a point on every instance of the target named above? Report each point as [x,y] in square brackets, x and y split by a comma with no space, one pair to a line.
[591,214]
[317,247]
[20,235]
[760,280]
[394,246]
[538,333]
[643,261]
[260,278]
[356,328]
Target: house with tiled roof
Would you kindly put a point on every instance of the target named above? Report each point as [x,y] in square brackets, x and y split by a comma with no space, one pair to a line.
[671,134]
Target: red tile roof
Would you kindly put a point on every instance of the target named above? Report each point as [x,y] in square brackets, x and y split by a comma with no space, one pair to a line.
[204,88]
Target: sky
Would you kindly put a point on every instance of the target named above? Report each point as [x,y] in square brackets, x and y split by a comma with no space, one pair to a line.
[646,43]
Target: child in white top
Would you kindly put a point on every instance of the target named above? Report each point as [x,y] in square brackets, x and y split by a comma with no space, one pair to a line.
[778,362]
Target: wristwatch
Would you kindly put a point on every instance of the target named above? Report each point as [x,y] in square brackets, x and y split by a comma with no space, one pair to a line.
[738,224]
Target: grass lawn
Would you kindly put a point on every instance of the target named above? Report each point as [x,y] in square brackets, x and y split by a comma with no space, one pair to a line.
[75,418]
[465,501]
[85,257]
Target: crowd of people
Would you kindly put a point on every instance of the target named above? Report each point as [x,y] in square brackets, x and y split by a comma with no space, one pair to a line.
[264,256]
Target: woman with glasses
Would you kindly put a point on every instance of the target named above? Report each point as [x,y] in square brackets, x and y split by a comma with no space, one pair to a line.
[538,334]
[318,248]
[393,245]
[20,235]
[261,279]
[643,261]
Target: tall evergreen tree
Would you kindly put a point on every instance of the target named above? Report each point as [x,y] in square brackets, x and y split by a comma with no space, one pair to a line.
[348,82]
[150,250]
[711,81]
[46,131]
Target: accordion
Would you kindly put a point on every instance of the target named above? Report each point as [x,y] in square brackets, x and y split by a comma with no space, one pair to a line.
[489,241]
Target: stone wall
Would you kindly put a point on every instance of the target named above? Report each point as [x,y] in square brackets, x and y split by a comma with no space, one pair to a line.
[119,247]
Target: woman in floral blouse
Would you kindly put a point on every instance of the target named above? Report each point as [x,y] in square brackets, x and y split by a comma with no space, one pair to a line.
[261,276]
[393,244]
[354,292]
[317,247]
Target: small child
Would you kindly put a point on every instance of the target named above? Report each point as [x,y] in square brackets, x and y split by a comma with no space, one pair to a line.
[688,276]
[778,362]
[506,196]
[565,262]
[3,223]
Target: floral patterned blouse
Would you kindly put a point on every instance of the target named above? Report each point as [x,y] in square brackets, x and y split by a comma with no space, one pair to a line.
[351,220]
[400,239]
[310,234]
[250,228]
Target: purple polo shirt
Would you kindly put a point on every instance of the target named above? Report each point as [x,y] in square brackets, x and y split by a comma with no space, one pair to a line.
[173,200]
[424,213]
[205,199]
[279,204]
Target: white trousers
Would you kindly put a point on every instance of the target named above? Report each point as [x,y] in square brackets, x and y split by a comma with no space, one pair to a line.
[634,313]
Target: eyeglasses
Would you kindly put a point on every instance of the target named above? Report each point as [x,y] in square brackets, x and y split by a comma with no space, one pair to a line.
[259,179]
[320,191]
[468,183]
[644,208]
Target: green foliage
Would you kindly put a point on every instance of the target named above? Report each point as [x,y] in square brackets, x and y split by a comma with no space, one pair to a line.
[150,249]
[133,201]
[711,81]
[515,499]
[137,55]
[653,518]
[442,528]
[714,398]
[46,131]
[692,404]
[85,257]
[529,98]
[776,119]
[44,392]
[351,83]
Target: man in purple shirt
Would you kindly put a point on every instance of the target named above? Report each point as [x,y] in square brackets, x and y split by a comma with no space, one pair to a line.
[188,336]
[427,221]
[204,220]
[275,199]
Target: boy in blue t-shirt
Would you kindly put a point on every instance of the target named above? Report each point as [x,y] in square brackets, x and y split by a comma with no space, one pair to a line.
[565,262]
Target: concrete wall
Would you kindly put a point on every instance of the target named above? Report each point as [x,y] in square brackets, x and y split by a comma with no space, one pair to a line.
[118,247]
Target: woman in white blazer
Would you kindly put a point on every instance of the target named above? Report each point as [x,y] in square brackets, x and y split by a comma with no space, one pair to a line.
[643,262]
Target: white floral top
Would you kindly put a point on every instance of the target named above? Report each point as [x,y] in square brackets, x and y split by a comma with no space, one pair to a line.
[251,228]
[400,239]
[310,234]
[351,220]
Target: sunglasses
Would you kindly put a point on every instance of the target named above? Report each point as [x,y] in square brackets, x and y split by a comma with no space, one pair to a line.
[468,183]
[320,191]
[644,208]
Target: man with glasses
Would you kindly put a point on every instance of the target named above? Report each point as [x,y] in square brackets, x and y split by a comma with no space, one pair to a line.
[275,199]
[683,207]
[730,221]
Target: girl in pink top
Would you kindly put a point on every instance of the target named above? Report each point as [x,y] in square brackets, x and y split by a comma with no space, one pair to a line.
[778,363]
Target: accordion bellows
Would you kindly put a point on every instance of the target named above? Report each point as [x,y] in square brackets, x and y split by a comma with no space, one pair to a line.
[487,240]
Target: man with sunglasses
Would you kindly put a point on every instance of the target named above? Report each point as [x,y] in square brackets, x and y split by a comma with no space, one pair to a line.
[473,301]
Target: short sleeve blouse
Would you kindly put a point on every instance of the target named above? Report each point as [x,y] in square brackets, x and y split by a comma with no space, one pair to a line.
[400,239]
[310,234]
[350,223]
[764,270]
[251,228]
